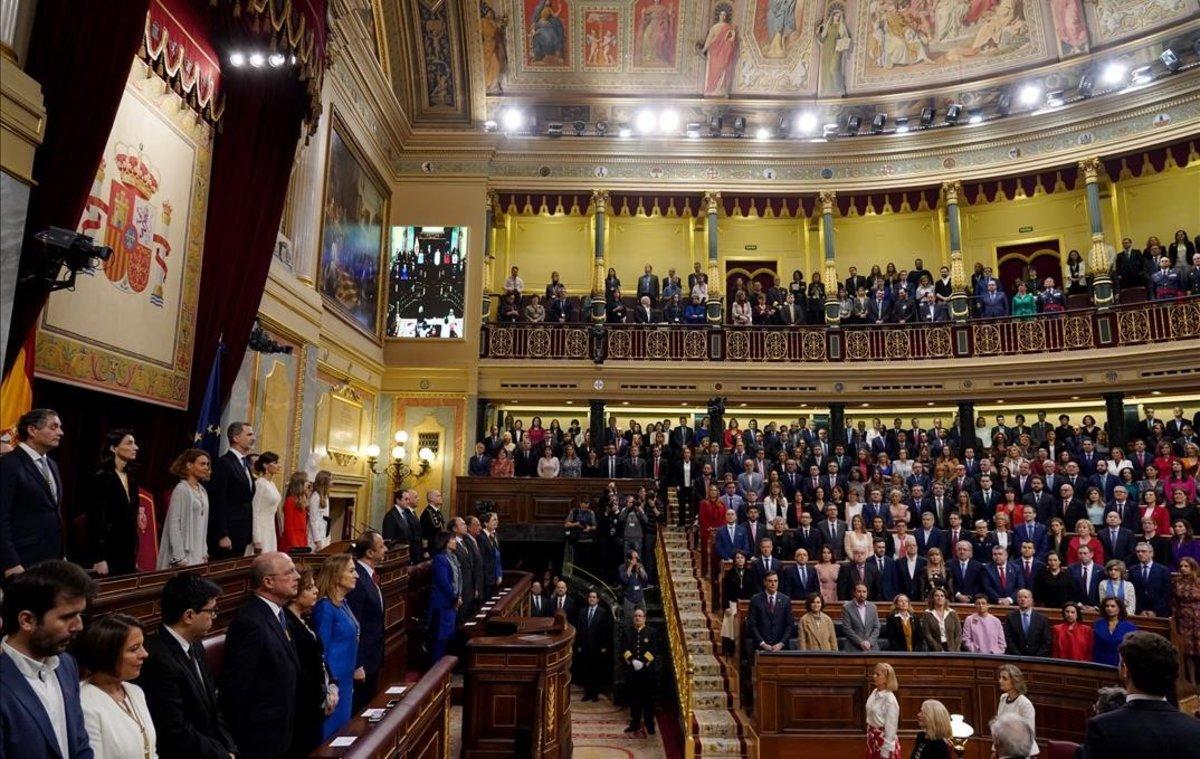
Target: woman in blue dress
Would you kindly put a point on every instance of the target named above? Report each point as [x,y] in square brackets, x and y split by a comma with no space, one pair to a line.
[445,595]
[1109,631]
[338,630]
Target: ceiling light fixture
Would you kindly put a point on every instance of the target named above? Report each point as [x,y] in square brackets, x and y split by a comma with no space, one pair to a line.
[853,124]
[623,130]
[953,113]
[1170,60]
[1054,99]
[554,129]
[668,121]
[645,121]
[975,117]
[762,133]
[1114,73]
[1142,74]
[580,127]
[512,119]
[878,123]
[927,117]
[490,125]
[601,128]
[902,125]
[276,60]
[257,60]
[807,122]
[1030,94]
[237,59]
[715,125]
[739,126]
[693,130]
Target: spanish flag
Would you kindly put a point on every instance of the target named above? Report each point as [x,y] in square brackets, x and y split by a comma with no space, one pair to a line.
[16,394]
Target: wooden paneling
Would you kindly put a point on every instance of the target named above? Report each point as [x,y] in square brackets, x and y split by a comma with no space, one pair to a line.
[531,500]
[803,697]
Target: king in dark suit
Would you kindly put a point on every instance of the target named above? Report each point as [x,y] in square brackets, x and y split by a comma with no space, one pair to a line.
[230,492]
[31,494]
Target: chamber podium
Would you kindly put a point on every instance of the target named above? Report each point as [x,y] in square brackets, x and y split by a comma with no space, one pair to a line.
[517,690]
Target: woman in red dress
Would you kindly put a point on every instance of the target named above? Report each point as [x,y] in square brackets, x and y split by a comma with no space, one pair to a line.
[712,514]
[295,513]
[1152,509]
[1085,535]
[1072,638]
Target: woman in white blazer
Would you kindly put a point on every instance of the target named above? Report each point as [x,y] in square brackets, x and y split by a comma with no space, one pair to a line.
[118,722]
[185,528]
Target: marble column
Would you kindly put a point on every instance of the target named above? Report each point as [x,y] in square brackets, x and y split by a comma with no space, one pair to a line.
[832,306]
[600,200]
[1114,413]
[837,423]
[716,306]
[489,255]
[960,303]
[966,426]
[1098,263]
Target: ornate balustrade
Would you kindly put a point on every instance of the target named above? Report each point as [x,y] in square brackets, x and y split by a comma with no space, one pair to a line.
[680,658]
[1085,329]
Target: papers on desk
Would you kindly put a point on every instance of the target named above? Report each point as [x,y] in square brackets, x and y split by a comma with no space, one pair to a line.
[396,690]
[374,713]
[342,742]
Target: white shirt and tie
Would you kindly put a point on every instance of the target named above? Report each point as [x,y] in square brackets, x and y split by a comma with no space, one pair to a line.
[43,466]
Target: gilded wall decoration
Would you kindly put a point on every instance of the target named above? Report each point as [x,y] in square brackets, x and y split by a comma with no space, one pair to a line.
[437,52]
[777,50]
[1119,19]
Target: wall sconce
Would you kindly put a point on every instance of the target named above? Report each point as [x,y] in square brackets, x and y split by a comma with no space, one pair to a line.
[961,732]
[399,470]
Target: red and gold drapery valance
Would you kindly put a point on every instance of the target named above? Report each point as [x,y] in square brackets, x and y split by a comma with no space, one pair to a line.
[177,47]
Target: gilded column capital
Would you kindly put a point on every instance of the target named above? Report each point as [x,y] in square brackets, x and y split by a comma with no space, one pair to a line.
[827,198]
[600,201]
[951,191]
[492,201]
[712,201]
[1091,169]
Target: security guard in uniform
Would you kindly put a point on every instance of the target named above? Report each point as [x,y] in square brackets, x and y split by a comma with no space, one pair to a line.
[640,652]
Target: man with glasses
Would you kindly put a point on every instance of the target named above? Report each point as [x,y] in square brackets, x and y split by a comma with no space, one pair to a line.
[261,666]
[179,688]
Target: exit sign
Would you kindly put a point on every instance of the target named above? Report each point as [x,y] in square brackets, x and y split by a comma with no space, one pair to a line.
[1023,230]
[751,247]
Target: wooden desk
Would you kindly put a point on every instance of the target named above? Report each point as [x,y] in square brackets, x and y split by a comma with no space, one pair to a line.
[519,687]
[802,698]
[532,500]
[418,726]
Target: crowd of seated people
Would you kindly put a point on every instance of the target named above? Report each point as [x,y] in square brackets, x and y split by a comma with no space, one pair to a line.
[1041,515]
[885,295]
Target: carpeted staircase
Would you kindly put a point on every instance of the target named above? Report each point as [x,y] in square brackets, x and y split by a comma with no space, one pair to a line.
[714,722]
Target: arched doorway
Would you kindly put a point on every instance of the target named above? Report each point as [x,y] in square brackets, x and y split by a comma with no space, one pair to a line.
[761,271]
[1045,256]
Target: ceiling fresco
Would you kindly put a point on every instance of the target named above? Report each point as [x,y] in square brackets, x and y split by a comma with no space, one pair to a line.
[790,48]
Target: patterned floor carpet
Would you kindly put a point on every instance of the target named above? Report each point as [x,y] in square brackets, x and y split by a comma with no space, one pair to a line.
[596,731]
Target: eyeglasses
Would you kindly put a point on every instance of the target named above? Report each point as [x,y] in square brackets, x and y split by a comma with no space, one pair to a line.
[210,610]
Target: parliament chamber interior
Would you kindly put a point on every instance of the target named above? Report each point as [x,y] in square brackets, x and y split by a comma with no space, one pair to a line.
[599,378]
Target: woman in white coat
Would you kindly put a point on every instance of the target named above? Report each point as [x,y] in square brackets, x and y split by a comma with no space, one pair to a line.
[115,715]
[264,508]
[1013,699]
[185,528]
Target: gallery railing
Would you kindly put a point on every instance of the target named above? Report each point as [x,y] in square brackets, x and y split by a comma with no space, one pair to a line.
[1084,329]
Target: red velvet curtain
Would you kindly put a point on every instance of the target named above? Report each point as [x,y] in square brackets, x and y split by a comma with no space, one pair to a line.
[80,52]
[252,160]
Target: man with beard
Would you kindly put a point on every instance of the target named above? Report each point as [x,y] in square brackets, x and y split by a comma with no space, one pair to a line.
[39,682]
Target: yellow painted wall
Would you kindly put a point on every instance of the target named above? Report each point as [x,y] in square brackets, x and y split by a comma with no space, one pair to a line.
[542,244]
[663,242]
[1157,204]
[864,241]
[1060,216]
[784,240]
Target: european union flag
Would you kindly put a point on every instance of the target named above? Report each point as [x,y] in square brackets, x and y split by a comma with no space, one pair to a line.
[208,425]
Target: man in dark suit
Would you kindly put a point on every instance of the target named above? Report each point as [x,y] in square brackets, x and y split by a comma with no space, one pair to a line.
[1028,562]
[1030,530]
[931,311]
[800,580]
[904,310]
[729,539]
[764,562]
[885,570]
[833,532]
[634,467]
[1087,575]
[525,459]
[928,535]
[1118,542]
[986,500]
[1147,725]
[539,606]
[1126,508]
[855,281]
[470,563]
[480,464]
[401,525]
[366,601]
[858,570]
[1001,578]
[965,572]
[31,495]
[1026,631]
[261,666]
[1151,582]
[647,284]
[879,310]
[644,312]
[42,613]
[559,310]
[433,521]
[179,688]
[770,623]
[561,602]
[593,641]
[230,491]
[1038,498]
[909,567]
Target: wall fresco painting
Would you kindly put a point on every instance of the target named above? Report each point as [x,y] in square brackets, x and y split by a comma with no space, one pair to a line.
[493,23]
[777,54]
[601,40]
[655,32]
[546,43]
[1119,19]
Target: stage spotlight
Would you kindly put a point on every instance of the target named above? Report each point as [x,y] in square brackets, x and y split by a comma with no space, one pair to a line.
[878,123]
[580,127]
[237,59]
[806,122]
[554,129]
[902,125]
[853,124]
[1142,74]
[645,121]
[257,60]
[490,125]
[952,113]
[693,129]
[1030,94]
[1087,83]
[739,126]
[668,121]
[623,130]
[276,60]
[715,125]
[601,128]
[1054,98]
[975,117]
[762,133]
[1170,60]
[927,117]
[1114,73]
[512,119]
